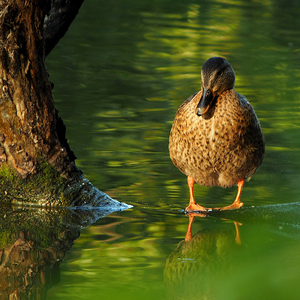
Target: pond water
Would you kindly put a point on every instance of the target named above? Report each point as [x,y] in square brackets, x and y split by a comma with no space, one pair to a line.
[120,74]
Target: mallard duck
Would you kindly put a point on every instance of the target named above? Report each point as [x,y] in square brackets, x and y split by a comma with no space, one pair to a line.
[216,138]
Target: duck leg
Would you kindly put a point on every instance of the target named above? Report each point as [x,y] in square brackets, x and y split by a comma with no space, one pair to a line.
[237,202]
[193,206]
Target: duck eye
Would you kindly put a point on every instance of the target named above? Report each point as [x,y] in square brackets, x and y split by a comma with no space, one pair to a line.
[219,72]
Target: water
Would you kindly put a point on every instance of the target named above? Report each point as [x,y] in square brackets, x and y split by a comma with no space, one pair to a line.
[120,74]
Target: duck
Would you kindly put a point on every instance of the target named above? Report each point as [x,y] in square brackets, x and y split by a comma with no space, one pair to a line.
[216,137]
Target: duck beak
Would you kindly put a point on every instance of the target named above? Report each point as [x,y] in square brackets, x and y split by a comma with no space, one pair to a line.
[205,102]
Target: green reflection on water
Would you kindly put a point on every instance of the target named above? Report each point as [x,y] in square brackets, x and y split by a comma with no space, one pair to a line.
[120,74]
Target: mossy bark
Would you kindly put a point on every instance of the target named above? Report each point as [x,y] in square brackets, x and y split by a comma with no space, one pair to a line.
[48,188]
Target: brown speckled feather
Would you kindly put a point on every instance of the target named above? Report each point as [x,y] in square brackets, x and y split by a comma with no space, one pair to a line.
[221,149]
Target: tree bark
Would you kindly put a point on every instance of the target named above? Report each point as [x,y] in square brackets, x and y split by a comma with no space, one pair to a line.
[36,163]
[28,123]
[57,22]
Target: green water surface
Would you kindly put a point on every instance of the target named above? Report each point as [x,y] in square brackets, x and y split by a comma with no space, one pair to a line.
[120,74]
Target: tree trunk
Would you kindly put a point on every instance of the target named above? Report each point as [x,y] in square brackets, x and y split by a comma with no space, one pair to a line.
[36,163]
[28,123]
[58,20]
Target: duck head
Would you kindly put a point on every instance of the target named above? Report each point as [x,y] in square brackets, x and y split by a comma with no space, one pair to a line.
[217,76]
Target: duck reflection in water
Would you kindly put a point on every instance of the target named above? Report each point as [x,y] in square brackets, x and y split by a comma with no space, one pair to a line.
[216,139]
[199,262]
[189,236]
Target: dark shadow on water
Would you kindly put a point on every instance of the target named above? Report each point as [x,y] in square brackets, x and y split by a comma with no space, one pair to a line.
[33,241]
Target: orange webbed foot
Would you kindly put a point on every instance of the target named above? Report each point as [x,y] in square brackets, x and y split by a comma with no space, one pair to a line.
[235,205]
[194,207]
